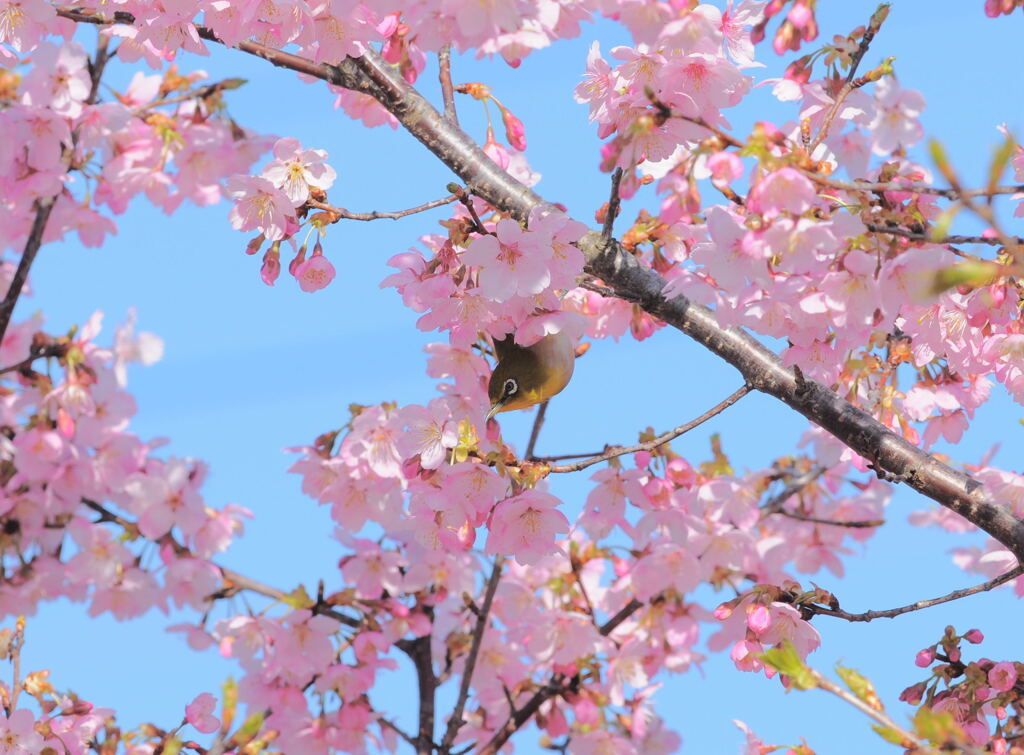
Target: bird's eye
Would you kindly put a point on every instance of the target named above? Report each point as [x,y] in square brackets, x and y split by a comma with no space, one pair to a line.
[510,387]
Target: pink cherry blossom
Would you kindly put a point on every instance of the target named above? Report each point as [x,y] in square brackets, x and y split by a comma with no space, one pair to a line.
[295,170]
[511,262]
[1003,676]
[199,713]
[525,526]
[315,273]
[260,205]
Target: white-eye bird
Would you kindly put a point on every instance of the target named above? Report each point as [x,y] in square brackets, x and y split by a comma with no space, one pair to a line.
[528,375]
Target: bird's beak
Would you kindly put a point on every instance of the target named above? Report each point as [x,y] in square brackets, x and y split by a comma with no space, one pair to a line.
[495,408]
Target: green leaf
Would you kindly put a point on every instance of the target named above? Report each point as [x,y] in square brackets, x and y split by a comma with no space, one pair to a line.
[970,273]
[937,728]
[250,728]
[890,735]
[234,83]
[943,223]
[786,660]
[999,161]
[298,598]
[938,154]
[171,746]
[860,685]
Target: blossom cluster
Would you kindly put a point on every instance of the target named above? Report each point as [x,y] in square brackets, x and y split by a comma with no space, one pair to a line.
[981,700]
[273,203]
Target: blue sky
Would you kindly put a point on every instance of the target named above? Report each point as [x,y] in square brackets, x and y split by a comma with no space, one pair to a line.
[250,370]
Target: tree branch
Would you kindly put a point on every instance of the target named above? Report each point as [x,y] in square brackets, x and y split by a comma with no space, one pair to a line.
[614,201]
[954,239]
[892,456]
[236,581]
[850,84]
[444,64]
[662,439]
[891,613]
[455,722]
[911,741]
[420,654]
[913,188]
[342,213]
[554,687]
[538,423]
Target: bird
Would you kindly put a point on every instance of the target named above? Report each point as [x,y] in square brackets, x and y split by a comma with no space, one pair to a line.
[528,375]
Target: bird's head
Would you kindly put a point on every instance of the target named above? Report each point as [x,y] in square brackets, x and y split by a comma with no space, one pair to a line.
[529,375]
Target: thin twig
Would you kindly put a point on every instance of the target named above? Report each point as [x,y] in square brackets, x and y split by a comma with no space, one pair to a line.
[455,722]
[538,423]
[849,85]
[560,457]
[342,213]
[444,62]
[890,613]
[467,201]
[954,239]
[583,592]
[911,741]
[555,686]
[775,504]
[49,351]
[395,728]
[615,451]
[913,188]
[863,524]
[236,580]
[43,207]
[624,613]
[198,93]
[614,201]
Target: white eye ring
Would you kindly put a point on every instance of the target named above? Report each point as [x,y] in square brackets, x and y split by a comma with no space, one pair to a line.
[510,387]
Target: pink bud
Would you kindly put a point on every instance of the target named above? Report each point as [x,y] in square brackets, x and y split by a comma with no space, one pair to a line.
[495,151]
[389,25]
[925,657]
[723,612]
[759,618]
[974,636]
[271,266]
[515,133]
[299,258]
[799,15]
[65,423]
[254,246]
[681,473]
